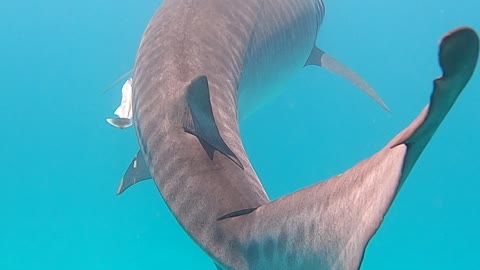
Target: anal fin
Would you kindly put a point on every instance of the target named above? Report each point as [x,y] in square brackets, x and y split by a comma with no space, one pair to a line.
[136,172]
[202,123]
[320,58]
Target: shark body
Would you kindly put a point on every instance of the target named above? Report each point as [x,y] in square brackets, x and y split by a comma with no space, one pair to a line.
[203,64]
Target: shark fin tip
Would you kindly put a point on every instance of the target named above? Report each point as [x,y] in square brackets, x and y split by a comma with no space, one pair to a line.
[120,188]
[121,123]
[137,171]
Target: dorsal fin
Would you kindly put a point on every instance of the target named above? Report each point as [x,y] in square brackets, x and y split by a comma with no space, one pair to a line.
[136,172]
[320,58]
[202,123]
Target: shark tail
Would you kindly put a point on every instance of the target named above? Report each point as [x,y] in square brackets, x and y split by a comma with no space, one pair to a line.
[332,222]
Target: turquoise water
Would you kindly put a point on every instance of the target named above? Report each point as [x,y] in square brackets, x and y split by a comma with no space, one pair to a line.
[61,163]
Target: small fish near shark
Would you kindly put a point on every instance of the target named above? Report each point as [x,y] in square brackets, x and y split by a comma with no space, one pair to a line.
[204,65]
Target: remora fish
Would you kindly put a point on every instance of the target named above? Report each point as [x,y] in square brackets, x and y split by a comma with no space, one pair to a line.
[196,59]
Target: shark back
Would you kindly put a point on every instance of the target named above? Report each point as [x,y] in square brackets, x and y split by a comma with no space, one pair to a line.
[202,65]
[191,60]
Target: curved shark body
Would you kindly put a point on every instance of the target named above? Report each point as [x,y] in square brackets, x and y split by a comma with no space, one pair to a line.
[218,50]
[202,62]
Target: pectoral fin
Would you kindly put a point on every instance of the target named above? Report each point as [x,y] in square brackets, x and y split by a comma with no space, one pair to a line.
[120,122]
[202,123]
[136,172]
[322,59]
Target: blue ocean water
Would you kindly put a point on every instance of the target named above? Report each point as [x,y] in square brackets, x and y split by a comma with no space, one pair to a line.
[61,163]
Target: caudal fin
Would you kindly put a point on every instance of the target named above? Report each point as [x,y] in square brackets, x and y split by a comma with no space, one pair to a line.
[328,225]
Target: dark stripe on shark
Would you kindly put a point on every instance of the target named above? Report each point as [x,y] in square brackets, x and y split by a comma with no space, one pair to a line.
[237,213]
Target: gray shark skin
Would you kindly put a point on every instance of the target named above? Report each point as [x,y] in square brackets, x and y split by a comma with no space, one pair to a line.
[196,62]
[328,225]
[244,53]
[201,66]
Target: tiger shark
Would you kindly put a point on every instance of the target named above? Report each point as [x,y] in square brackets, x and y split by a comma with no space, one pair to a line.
[201,66]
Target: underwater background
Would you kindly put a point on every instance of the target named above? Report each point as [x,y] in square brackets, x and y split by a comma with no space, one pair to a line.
[61,162]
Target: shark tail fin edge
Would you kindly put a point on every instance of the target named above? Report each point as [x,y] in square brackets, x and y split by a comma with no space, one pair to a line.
[458,56]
